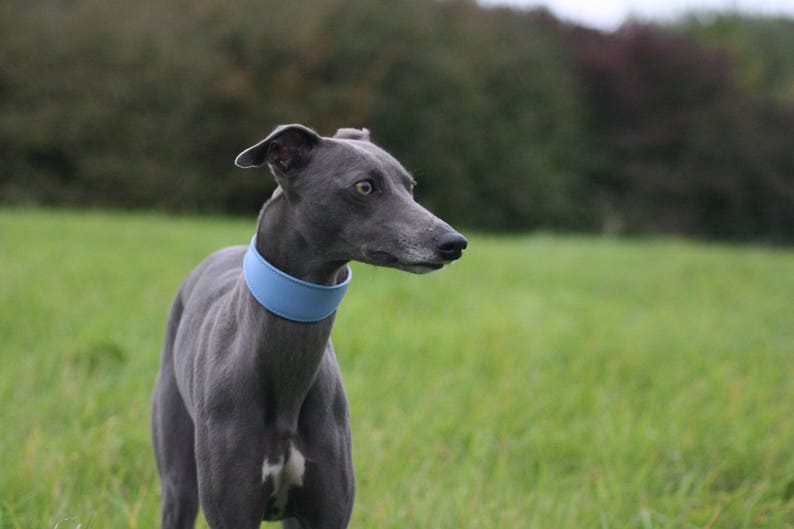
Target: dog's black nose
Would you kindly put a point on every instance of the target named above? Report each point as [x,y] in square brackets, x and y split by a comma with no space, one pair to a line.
[451,245]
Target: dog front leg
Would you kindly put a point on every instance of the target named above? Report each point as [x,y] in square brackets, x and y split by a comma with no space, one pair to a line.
[229,461]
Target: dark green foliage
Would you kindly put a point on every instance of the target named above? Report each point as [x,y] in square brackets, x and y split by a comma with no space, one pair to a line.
[687,150]
[509,119]
[760,46]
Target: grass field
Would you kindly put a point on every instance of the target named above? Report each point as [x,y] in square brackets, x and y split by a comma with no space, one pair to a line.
[542,382]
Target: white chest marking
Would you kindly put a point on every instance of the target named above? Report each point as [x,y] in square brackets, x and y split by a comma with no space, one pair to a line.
[286,473]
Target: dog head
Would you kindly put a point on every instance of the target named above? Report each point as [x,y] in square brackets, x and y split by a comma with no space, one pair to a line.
[353,200]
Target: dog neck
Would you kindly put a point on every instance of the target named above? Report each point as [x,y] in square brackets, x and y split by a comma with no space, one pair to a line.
[278,242]
[287,354]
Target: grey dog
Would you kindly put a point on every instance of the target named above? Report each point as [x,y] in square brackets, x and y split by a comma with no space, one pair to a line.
[250,418]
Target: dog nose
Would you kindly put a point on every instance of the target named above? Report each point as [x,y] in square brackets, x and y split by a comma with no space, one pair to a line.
[451,245]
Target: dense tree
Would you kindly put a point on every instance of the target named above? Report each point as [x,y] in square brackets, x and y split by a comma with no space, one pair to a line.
[510,119]
[760,47]
[688,150]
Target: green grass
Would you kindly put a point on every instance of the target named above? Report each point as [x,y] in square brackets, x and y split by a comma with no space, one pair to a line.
[542,382]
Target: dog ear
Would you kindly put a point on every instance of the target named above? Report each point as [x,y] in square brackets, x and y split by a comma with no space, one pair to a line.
[352,134]
[287,147]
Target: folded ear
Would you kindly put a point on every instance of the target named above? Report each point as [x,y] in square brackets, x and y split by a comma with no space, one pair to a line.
[352,134]
[287,147]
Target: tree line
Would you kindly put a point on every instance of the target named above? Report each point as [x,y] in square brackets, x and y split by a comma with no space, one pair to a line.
[510,120]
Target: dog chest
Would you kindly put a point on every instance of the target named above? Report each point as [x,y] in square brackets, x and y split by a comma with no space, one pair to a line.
[280,476]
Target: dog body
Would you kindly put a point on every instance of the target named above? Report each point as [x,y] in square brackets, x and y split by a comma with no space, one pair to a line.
[250,418]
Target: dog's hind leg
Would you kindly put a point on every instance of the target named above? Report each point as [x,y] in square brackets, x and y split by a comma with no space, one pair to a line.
[172,436]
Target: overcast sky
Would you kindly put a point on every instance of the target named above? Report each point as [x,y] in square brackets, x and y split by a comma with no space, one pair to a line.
[608,14]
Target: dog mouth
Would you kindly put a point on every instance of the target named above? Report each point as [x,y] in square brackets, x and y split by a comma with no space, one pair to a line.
[381,258]
[421,268]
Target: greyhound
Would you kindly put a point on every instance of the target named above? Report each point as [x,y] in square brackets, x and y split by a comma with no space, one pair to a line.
[249,416]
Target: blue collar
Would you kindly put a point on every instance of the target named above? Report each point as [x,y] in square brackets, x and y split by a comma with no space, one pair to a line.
[287,296]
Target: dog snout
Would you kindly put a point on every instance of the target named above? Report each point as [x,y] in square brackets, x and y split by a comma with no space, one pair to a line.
[451,245]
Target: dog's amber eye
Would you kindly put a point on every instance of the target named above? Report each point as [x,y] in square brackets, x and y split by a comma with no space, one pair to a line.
[365,187]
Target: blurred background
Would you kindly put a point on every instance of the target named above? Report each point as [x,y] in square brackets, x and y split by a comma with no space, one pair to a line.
[512,117]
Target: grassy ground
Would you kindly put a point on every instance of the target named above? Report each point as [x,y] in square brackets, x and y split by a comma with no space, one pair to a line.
[542,382]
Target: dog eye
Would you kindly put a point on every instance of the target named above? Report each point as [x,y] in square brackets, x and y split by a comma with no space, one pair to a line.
[365,187]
